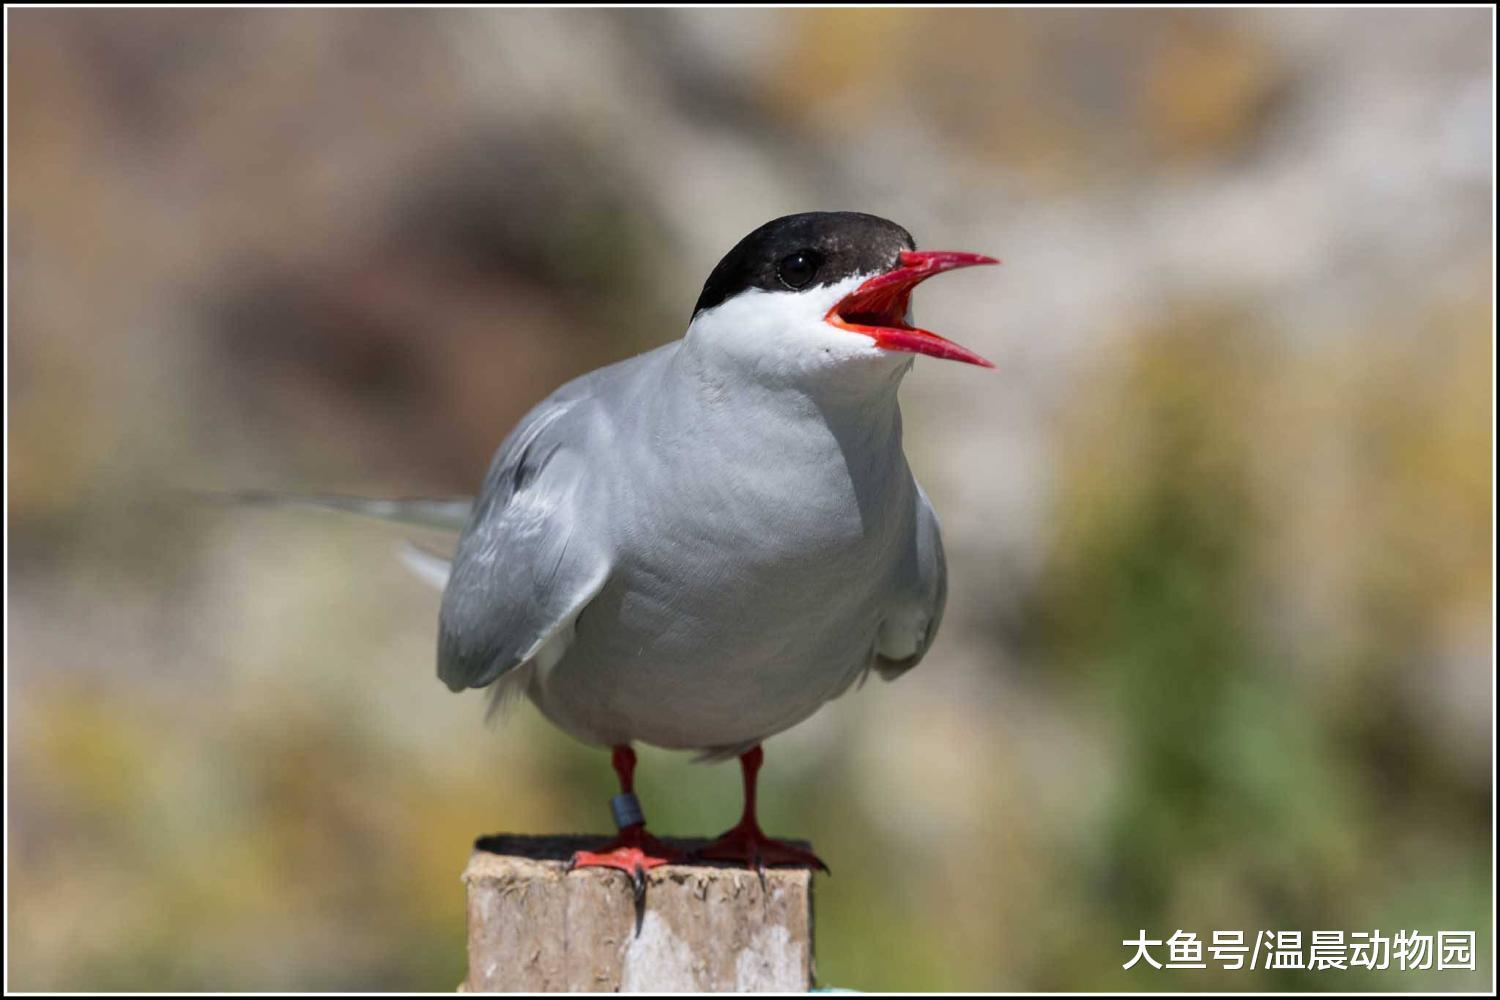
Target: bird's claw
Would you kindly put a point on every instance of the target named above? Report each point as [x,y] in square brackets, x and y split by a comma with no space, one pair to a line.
[638,882]
[748,844]
[634,852]
[631,860]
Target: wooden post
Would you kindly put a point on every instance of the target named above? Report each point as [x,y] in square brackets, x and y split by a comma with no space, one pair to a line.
[534,926]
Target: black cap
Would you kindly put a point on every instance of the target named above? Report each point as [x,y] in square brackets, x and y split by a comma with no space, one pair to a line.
[804,251]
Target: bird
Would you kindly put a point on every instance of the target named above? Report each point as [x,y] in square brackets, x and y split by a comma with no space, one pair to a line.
[698,547]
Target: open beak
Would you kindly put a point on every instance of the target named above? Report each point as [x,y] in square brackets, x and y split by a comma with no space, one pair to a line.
[878,308]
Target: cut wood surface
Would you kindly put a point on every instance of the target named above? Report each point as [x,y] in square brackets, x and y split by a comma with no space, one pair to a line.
[534,926]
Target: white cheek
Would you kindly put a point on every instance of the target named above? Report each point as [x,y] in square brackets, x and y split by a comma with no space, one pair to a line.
[782,331]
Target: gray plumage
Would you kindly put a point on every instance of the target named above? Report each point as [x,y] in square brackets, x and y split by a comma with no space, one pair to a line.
[698,547]
[438,513]
[696,551]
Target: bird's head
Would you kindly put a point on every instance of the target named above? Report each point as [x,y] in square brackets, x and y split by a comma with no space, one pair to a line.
[824,290]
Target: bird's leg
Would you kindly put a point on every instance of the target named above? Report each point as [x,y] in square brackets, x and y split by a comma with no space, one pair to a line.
[634,851]
[745,841]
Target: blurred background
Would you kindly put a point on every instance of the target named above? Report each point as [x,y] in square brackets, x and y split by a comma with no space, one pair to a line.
[1218,652]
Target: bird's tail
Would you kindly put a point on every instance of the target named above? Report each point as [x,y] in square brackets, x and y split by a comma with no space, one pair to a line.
[429,566]
[446,514]
[439,513]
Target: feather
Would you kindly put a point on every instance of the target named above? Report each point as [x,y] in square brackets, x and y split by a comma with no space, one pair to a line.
[440,513]
[429,566]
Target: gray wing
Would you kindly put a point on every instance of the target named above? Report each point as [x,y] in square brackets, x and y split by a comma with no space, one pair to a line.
[527,563]
[910,627]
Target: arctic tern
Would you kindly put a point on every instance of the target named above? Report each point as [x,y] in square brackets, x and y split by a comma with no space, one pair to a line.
[698,547]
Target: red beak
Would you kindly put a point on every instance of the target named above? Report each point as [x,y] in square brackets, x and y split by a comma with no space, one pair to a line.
[878,307]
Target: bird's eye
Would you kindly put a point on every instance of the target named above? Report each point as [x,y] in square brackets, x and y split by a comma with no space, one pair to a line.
[797,270]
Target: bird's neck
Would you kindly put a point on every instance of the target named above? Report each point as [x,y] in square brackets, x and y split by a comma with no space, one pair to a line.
[842,378]
[860,395]
[818,437]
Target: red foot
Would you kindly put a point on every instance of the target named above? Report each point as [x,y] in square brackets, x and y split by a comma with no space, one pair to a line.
[634,852]
[747,843]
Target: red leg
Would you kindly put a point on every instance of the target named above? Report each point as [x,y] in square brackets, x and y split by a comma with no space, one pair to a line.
[745,841]
[634,851]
